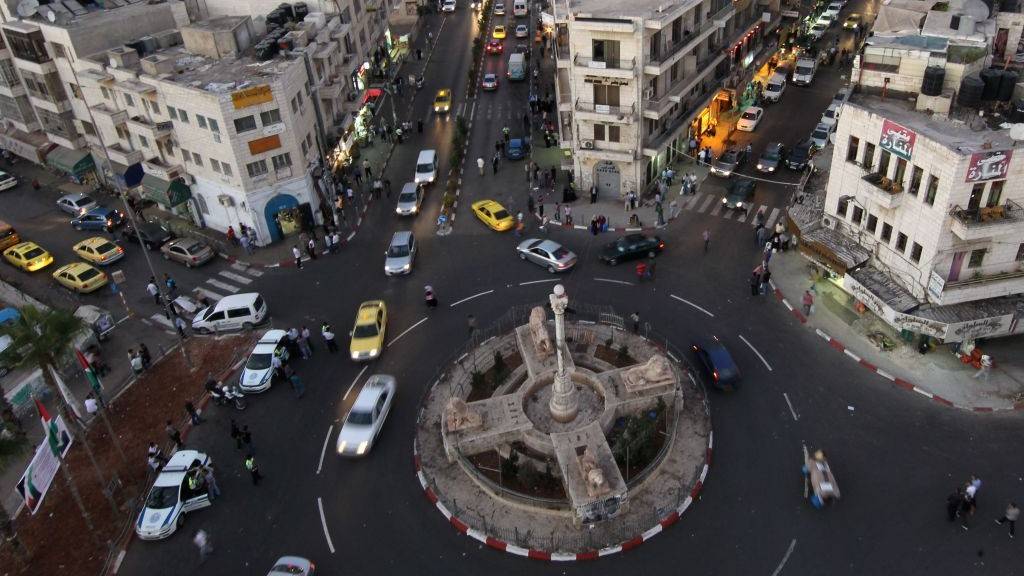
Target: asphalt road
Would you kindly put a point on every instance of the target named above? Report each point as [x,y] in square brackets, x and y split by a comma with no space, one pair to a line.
[896,456]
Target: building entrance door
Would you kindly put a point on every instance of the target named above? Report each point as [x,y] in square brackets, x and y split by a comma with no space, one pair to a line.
[608,179]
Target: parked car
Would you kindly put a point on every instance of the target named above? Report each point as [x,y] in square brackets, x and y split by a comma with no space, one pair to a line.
[99,218]
[187,251]
[151,235]
[830,117]
[257,375]
[729,162]
[750,118]
[367,336]
[547,254]
[630,247]
[28,256]
[292,566]
[817,31]
[98,250]
[826,20]
[717,364]
[76,204]
[833,10]
[819,137]
[800,155]
[80,277]
[739,195]
[172,495]
[499,9]
[365,420]
[489,82]
[772,156]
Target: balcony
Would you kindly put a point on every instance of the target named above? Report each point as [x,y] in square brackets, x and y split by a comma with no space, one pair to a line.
[655,108]
[982,223]
[660,63]
[124,156]
[162,170]
[154,131]
[115,117]
[653,143]
[882,191]
[605,112]
[601,150]
[562,55]
[607,67]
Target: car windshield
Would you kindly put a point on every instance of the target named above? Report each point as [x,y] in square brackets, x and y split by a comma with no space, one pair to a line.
[37,251]
[560,253]
[407,197]
[728,157]
[830,113]
[421,168]
[774,87]
[749,115]
[365,331]
[162,497]
[771,153]
[258,362]
[88,274]
[441,98]
[820,133]
[106,247]
[803,70]
[398,250]
[360,418]
[501,214]
[83,201]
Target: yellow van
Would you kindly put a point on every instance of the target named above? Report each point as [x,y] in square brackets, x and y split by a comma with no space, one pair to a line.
[8,236]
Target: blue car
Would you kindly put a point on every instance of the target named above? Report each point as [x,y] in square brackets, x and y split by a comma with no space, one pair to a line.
[98,219]
[515,149]
[717,364]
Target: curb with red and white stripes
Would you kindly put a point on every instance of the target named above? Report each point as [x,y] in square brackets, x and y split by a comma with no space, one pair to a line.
[535,554]
[897,381]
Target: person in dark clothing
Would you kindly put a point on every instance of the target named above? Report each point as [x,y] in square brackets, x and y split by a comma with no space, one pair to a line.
[755,283]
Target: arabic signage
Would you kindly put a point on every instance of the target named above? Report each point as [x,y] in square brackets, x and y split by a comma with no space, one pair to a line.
[40,472]
[936,283]
[897,139]
[989,165]
[252,96]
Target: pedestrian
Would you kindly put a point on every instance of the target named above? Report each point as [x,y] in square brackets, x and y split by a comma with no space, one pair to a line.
[236,434]
[211,481]
[230,235]
[419,54]
[172,286]
[254,470]
[246,436]
[635,317]
[298,256]
[766,277]
[358,177]
[471,324]
[147,360]
[761,236]
[593,194]
[430,297]
[1011,515]
[246,245]
[651,269]
[335,240]
[808,302]
[311,248]
[305,334]
[419,126]
[193,414]
[328,243]
[540,210]
[387,187]
[304,349]
[173,434]
[135,361]
[693,183]
[494,163]
[985,367]
[378,187]
[328,334]
[755,282]
[526,168]
[661,214]
[202,542]
[153,290]
[673,210]
[480,165]
[706,235]
[632,200]
[297,385]
[179,323]
[367,169]
[276,367]
[155,453]
[968,505]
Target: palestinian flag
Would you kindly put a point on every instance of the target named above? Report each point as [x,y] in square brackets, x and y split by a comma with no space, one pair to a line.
[58,439]
[28,490]
[94,380]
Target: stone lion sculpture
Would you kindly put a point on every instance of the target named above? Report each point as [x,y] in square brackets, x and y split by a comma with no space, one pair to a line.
[539,332]
[592,474]
[459,416]
[655,372]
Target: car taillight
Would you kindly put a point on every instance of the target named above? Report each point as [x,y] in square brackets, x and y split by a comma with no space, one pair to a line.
[120,250]
[194,258]
[661,244]
[714,375]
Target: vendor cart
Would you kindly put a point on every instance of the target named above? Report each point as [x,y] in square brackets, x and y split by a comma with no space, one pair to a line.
[819,484]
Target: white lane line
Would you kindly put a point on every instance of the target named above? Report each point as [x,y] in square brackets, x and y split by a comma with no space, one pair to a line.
[692,202]
[685,301]
[538,281]
[704,205]
[472,110]
[717,209]
[324,450]
[162,320]
[454,304]
[323,521]
[352,385]
[623,282]
[785,558]
[754,350]
[236,277]
[407,330]
[223,286]
[791,410]
[209,294]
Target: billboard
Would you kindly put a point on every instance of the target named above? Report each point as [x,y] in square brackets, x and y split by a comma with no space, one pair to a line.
[897,139]
[252,96]
[41,470]
[989,165]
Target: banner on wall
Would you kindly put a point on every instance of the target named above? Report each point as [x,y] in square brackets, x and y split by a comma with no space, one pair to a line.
[989,165]
[897,139]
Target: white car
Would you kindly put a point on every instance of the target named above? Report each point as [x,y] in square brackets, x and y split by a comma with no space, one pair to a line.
[750,118]
[499,9]
[292,566]
[257,376]
[818,30]
[173,495]
[7,181]
[522,31]
[826,19]
[831,115]
[833,10]
[820,135]
[366,418]
[448,6]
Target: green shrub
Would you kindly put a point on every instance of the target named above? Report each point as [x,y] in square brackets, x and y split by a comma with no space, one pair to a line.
[623,355]
[510,465]
[499,366]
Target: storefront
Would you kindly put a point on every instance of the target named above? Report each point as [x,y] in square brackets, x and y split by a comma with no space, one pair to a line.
[285,217]
[78,165]
[30,146]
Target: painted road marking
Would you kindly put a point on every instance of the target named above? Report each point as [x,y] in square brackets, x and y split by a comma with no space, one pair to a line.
[353,384]
[704,205]
[454,304]
[692,202]
[728,214]
[407,330]
[791,410]
[778,569]
[223,286]
[323,522]
[162,320]
[623,282]
[236,277]
[539,281]
[247,269]
[717,209]
[324,450]
[685,301]
[209,294]
[754,350]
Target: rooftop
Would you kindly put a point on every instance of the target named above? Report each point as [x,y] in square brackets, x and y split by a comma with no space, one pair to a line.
[221,23]
[613,9]
[86,12]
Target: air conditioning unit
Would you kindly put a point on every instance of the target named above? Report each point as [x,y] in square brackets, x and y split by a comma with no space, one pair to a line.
[828,222]
[587,144]
[225,200]
[649,93]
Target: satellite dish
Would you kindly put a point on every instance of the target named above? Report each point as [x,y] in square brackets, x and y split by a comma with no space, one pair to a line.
[28,8]
[1017,131]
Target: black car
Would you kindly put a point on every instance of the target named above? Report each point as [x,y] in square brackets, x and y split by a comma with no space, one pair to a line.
[773,155]
[717,364]
[630,247]
[150,234]
[740,195]
[800,155]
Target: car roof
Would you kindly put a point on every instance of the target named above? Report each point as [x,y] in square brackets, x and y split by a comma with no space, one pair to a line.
[174,471]
[754,109]
[272,336]
[548,245]
[426,155]
[368,311]
[74,267]
[25,246]
[94,241]
[297,561]
[236,299]
[444,92]
[102,210]
[821,126]
[490,204]
[186,243]
[401,238]
[74,197]
[374,387]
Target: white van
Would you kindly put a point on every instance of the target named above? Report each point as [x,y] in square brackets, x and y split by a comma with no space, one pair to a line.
[426,167]
[233,312]
[775,87]
[519,8]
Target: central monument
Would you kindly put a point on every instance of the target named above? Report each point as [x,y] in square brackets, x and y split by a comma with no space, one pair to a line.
[564,402]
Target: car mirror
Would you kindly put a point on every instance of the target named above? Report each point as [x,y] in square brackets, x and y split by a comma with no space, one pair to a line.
[351,332]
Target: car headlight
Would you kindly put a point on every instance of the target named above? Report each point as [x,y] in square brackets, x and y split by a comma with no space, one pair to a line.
[725,200]
[771,168]
[407,267]
[355,355]
[374,351]
[739,204]
[760,166]
[342,446]
[362,447]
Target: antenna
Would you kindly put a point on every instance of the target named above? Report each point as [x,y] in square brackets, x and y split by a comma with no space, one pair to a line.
[28,8]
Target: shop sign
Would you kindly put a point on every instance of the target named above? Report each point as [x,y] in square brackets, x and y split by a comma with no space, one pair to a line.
[989,165]
[605,81]
[252,96]
[261,145]
[936,283]
[273,129]
[897,139]
[980,328]
[919,325]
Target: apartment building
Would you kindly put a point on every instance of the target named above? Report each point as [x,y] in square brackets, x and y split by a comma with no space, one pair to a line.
[937,207]
[633,85]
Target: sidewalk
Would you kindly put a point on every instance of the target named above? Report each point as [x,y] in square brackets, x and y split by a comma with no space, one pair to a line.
[937,375]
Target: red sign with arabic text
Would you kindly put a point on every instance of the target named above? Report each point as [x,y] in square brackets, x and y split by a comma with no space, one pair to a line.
[989,165]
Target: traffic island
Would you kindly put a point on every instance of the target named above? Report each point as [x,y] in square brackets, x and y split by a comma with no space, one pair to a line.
[567,447]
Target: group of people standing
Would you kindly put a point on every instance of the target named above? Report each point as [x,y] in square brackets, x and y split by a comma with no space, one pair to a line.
[963,502]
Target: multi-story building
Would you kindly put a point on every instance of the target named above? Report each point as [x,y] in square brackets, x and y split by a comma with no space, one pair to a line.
[635,81]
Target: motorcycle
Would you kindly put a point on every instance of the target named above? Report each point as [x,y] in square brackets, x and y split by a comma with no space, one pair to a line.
[419,82]
[223,394]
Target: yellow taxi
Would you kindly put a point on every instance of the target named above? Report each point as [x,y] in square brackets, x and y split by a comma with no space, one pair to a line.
[98,251]
[28,256]
[368,333]
[443,101]
[499,32]
[493,215]
[80,277]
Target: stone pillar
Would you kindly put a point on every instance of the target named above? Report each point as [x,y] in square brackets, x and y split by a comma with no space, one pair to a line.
[564,402]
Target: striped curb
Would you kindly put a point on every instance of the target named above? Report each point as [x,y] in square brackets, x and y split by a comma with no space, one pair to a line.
[895,380]
[625,546]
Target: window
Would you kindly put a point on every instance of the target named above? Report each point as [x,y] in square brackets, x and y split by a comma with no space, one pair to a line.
[613,133]
[853,149]
[257,168]
[172,112]
[215,165]
[933,188]
[883,162]
[599,132]
[214,127]
[106,93]
[886,232]
[245,124]
[143,141]
[226,168]
[901,242]
[295,106]
[88,128]
[869,156]
[58,50]
[197,158]
[282,161]
[915,252]
[901,171]
[844,204]
[1020,253]
[915,180]
[872,223]
[606,51]
[977,257]
[995,193]
[128,100]
[122,132]
[154,107]
[76,91]
[606,95]
[183,116]
[309,140]
[186,155]
[858,214]
[201,121]
[270,117]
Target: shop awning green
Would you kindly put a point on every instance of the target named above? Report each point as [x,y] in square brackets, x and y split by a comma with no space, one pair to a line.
[163,192]
[75,162]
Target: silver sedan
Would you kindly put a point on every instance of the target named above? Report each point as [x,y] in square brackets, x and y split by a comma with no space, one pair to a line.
[547,253]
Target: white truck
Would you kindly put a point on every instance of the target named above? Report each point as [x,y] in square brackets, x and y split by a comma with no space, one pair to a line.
[804,71]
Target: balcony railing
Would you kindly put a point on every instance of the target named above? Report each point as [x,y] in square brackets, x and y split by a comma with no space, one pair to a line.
[609,64]
[657,140]
[670,50]
[1007,213]
[584,106]
[682,86]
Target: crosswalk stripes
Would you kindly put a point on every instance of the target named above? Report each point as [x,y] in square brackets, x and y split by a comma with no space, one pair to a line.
[256,273]
[223,285]
[704,205]
[211,296]
[717,210]
[691,202]
[235,277]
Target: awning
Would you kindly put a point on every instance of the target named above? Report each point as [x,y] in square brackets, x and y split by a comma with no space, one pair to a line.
[74,162]
[833,249]
[127,176]
[163,192]
[372,95]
